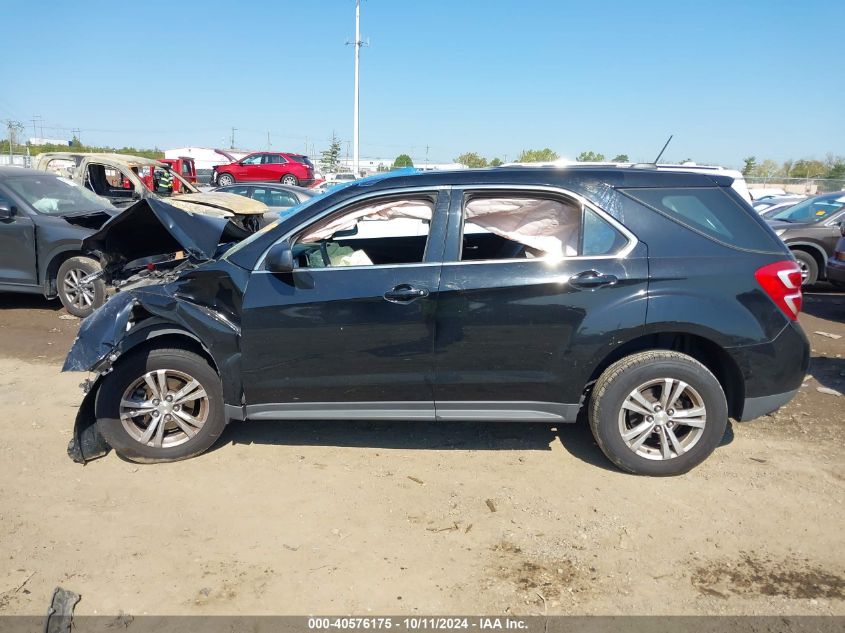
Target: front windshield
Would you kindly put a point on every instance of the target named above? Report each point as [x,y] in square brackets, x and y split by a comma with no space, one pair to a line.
[812,210]
[56,196]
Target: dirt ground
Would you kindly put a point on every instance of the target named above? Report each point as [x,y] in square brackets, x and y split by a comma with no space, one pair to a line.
[376,518]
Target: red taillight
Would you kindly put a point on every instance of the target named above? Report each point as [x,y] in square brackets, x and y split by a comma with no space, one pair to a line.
[782,282]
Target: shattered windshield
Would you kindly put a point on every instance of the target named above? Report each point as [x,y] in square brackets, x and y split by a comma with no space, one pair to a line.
[56,196]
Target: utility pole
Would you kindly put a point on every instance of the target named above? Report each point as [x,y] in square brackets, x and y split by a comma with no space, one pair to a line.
[357,44]
[14,127]
[232,139]
[268,141]
[77,133]
[426,155]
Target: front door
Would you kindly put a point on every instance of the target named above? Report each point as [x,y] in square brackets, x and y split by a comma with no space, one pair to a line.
[17,246]
[349,333]
[535,289]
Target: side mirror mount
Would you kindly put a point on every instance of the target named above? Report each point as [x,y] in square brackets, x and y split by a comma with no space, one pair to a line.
[7,211]
[279,258]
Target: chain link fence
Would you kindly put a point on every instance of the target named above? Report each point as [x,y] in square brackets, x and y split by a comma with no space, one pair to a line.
[806,186]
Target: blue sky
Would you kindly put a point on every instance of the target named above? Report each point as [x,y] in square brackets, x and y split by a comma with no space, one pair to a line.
[728,79]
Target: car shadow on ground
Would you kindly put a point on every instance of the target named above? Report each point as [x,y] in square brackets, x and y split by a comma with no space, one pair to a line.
[576,438]
[20,301]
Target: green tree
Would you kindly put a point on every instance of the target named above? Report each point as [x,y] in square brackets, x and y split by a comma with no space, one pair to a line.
[537,156]
[750,164]
[621,158]
[590,157]
[495,162]
[787,167]
[767,169]
[330,158]
[403,160]
[471,159]
[806,168]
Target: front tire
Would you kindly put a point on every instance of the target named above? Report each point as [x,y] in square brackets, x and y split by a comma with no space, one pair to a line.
[809,267]
[161,405]
[658,413]
[80,299]
[224,180]
[290,180]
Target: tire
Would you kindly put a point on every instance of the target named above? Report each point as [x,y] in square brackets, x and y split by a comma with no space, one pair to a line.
[173,443]
[224,180]
[80,300]
[621,380]
[290,180]
[809,267]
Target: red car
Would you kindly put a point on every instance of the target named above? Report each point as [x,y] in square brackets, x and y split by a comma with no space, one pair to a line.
[290,169]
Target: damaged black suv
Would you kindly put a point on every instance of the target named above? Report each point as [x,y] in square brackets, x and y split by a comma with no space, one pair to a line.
[658,303]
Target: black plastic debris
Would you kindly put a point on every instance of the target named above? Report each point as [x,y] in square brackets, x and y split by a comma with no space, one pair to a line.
[60,614]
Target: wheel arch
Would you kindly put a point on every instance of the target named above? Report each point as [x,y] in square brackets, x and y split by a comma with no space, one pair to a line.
[704,350]
[54,262]
[155,332]
[815,250]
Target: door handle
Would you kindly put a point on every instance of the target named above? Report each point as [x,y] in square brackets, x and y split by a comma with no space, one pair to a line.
[591,279]
[405,293]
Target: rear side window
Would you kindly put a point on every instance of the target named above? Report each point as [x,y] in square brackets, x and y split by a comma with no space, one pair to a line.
[708,211]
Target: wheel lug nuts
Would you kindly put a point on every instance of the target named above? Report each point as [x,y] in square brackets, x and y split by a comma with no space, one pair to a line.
[155,414]
[650,418]
[156,402]
[169,398]
[671,412]
[658,408]
[167,418]
[176,407]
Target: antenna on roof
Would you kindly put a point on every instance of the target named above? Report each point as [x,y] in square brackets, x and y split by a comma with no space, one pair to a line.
[657,160]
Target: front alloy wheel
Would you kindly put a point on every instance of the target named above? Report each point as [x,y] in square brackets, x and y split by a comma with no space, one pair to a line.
[164,408]
[160,405]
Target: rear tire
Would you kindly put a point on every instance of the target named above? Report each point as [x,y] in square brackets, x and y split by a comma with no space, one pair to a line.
[809,267]
[290,180]
[224,180]
[80,299]
[645,428]
[136,418]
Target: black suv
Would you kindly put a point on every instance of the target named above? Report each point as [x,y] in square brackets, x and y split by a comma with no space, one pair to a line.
[659,303]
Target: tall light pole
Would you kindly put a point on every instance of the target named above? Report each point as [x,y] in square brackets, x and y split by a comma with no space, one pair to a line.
[355,152]
[357,44]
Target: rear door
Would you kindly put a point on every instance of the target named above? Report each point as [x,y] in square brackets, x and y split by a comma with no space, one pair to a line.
[537,286]
[17,245]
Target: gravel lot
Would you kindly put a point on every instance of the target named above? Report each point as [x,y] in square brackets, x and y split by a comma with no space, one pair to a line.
[297,518]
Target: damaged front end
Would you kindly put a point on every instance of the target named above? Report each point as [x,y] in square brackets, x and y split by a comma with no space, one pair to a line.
[181,291]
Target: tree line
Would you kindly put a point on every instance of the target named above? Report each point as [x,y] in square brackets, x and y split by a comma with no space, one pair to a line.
[832,167]
[76,146]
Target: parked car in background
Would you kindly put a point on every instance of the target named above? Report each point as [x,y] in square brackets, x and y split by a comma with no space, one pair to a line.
[769,204]
[123,180]
[43,220]
[278,198]
[811,229]
[289,169]
[578,287]
[836,262]
[759,193]
[183,166]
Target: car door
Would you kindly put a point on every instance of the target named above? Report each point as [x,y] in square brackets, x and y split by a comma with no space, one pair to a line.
[17,244]
[520,328]
[249,168]
[352,338]
[273,167]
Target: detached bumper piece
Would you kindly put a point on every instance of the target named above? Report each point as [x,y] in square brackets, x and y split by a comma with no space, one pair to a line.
[87,444]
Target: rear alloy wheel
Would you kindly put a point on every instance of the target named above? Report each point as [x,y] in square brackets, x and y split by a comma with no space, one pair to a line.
[224,180]
[79,297]
[809,267]
[161,405]
[658,413]
[289,179]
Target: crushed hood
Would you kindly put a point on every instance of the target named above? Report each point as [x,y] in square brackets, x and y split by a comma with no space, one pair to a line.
[153,227]
[218,204]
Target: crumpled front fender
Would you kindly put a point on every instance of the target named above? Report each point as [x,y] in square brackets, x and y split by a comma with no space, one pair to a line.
[100,334]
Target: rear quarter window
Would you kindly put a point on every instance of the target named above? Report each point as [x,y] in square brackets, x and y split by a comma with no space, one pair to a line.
[709,211]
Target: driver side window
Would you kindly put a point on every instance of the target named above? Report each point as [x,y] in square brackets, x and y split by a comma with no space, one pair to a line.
[376,233]
[252,160]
